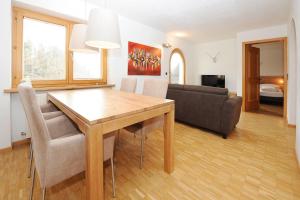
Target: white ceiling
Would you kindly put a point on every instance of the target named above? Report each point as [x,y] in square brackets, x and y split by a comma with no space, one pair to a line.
[203,20]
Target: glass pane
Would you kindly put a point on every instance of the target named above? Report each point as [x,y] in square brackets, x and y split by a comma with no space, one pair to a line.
[87,66]
[177,69]
[44,50]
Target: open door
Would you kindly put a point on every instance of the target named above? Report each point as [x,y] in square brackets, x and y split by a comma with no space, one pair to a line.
[252,78]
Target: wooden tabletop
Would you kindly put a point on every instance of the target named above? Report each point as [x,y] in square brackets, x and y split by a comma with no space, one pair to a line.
[100,105]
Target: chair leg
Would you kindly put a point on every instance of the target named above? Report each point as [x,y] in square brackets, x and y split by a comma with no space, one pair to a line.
[30,161]
[30,147]
[142,151]
[32,184]
[113,177]
[44,193]
[118,140]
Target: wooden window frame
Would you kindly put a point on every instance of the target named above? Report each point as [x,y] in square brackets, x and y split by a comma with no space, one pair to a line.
[17,72]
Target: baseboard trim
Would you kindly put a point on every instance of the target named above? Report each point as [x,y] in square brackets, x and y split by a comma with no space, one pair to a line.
[21,142]
[6,149]
[15,144]
[292,125]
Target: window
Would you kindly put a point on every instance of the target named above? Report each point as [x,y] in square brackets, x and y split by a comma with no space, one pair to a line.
[41,54]
[44,52]
[177,67]
[86,66]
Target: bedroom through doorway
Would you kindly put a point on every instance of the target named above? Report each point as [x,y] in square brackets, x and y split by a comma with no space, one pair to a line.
[265,76]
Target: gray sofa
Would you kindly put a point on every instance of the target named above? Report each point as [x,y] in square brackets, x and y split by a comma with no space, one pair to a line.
[206,107]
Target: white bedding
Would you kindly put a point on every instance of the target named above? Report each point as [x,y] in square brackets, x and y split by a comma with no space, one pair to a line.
[270,90]
[271,94]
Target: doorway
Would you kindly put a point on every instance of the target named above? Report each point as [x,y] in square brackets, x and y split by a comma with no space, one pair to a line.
[265,76]
[177,67]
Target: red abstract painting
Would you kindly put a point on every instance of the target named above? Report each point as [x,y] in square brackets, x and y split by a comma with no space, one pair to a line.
[143,60]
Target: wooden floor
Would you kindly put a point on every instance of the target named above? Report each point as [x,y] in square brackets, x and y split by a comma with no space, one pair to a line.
[256,162]
[271,109]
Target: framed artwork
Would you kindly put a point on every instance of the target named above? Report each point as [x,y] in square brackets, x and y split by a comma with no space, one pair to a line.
[143,60]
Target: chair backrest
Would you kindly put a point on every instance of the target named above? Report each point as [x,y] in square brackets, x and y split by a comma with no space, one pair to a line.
[155,87]
[128,85]
[108,151]
[39,131]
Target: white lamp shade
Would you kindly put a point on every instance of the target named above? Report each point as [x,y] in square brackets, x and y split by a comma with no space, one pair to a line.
[78,37]
[103,29]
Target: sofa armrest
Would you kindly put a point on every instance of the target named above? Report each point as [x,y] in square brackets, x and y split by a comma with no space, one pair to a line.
[230,114]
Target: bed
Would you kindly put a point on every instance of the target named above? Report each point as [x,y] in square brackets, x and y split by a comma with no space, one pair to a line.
[271,94]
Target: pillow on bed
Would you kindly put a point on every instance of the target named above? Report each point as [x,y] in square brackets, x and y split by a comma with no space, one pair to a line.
[268,86]
[270,89]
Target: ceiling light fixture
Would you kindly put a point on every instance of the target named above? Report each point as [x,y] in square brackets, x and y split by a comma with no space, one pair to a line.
[101,32]
[78,37]
[77,41]
[181,34]
[103,29]
[167,45]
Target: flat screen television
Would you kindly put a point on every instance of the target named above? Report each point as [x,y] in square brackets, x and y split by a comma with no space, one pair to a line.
[213,80]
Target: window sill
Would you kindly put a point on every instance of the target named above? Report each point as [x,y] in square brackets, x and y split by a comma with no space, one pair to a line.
[69,87]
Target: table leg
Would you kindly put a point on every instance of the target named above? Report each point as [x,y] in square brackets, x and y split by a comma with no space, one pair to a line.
[94,163]
[169,141]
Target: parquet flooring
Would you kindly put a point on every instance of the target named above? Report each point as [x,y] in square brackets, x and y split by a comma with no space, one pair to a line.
[257,161]
[271,109]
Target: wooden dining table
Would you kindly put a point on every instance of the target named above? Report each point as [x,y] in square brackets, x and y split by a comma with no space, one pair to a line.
[101,111]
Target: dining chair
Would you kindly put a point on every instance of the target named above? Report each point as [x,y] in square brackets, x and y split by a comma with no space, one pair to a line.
[155,88]
[128,85]
[49,111]
[58,146]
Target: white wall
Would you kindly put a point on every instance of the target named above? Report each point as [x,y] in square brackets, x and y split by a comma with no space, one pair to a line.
[295,15]
[292,91]
[271,59]
[188,50]
[225,65]
[136,32]
[230,58]
[5,72]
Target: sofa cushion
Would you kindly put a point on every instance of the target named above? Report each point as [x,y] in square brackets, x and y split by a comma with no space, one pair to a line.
[203,109]
[206,89]
[175,87]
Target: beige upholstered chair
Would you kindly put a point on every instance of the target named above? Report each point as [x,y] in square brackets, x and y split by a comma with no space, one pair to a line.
[58,147]
[156,88]
[128,85]
[49,111]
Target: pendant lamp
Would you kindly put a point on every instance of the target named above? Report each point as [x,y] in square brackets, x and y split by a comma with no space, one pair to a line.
[103,29]
[77,41]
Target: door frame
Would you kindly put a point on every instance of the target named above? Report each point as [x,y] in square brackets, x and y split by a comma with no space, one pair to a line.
[285,70]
